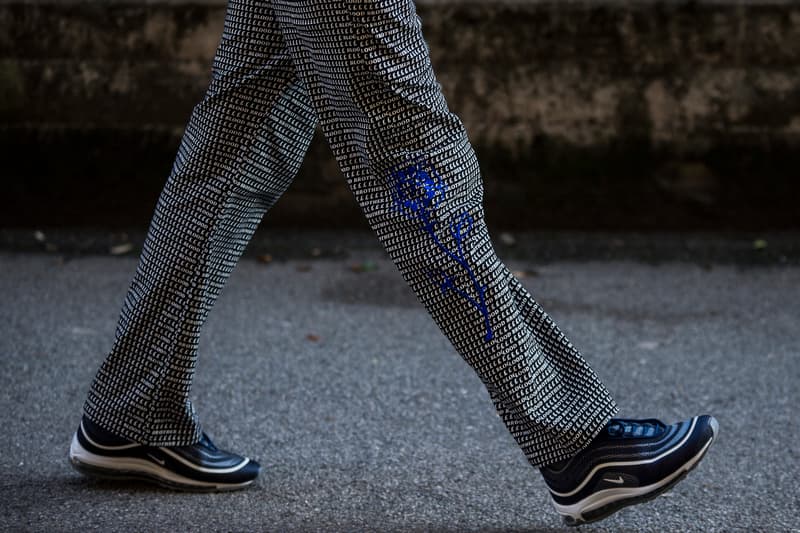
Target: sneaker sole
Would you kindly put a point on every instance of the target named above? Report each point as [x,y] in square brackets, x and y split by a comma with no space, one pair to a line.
[617,499]
[131,468]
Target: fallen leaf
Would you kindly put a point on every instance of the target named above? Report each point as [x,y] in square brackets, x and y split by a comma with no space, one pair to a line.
[265,258]
[119,249]
[313,338]
[508,239]
[366,266]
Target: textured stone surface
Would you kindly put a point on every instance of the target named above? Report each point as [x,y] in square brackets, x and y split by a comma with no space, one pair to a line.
[584,114]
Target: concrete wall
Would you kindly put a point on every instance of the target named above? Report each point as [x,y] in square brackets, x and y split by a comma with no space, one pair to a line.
[594,114]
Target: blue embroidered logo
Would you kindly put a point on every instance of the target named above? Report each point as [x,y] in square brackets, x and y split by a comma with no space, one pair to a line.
[418,190]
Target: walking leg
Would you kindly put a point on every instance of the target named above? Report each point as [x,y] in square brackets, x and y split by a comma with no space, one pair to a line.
[242,147]
[411,167]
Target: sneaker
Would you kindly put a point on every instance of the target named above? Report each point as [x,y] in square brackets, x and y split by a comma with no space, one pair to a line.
[199,467]
[629,462]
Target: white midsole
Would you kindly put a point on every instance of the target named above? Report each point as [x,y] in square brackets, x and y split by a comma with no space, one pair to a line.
[603,497]
[79,454]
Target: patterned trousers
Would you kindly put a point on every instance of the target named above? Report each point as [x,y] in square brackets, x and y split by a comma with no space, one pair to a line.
[361,70]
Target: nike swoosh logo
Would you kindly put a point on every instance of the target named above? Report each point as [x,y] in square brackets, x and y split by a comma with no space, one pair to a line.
[156,459]
[618,480]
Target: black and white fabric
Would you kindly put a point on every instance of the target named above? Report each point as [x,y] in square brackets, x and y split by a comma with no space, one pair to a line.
[361,71]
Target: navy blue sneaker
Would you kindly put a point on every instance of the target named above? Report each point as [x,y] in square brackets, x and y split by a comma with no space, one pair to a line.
[200,467]
[629,462]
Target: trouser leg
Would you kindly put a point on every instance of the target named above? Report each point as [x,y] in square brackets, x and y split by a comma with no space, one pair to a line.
[241,148]
[411,167]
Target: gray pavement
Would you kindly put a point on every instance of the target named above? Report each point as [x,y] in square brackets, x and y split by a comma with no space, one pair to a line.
[366,419]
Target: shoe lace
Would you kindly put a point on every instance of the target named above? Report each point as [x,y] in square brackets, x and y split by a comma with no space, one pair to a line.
[637,429]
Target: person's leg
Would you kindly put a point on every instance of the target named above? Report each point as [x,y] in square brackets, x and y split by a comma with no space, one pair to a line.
[410,165]
[242,147]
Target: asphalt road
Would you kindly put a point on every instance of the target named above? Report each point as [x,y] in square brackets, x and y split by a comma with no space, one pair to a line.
[366,419]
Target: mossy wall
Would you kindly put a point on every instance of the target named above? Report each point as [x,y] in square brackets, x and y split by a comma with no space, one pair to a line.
[585,115]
